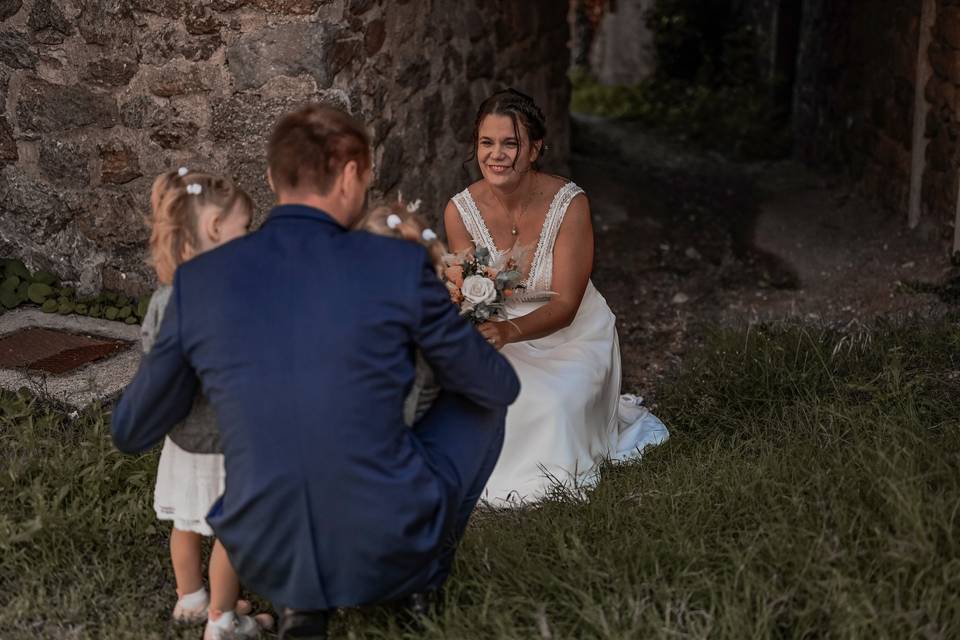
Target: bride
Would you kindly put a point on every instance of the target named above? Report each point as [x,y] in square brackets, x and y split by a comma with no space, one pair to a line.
[561,336]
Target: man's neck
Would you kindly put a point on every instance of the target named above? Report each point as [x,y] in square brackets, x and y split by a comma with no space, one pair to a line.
[316,201]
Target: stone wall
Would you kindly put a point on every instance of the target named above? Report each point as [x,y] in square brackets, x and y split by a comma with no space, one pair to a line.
[855,92]
[942,127]
[99,96]
[857,103]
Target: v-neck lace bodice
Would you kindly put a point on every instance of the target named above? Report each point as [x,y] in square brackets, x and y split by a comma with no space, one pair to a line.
[540,277]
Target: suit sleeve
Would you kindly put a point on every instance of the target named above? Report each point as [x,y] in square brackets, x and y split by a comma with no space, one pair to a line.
[461,359]
[162,392]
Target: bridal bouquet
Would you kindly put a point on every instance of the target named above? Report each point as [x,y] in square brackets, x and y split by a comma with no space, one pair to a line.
[479,285]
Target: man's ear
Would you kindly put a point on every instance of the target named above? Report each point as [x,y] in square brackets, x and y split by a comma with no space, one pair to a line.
[270,181]
[349,179]
[349,176]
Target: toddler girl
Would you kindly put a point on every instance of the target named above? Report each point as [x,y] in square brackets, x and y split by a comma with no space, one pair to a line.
[191,213]
[401,221]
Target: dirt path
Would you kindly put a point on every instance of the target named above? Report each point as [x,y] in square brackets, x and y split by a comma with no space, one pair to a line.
[686,240]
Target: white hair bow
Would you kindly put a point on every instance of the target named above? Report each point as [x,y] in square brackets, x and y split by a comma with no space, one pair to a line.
[194,189]
[182,171]
[394,221]
[428,235]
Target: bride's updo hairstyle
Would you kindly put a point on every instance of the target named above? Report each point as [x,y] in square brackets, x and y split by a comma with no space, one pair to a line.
[522,110]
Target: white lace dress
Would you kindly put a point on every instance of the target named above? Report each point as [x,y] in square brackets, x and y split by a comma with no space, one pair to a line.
[570,415]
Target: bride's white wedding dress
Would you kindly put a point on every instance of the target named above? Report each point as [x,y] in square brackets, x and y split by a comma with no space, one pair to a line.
[570,415]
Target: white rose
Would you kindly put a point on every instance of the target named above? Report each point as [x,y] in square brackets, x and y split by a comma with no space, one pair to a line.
[479,290]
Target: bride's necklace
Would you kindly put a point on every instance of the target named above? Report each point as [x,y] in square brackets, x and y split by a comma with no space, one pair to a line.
[515,220]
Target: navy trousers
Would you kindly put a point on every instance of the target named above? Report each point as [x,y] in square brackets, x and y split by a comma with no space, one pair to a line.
[462,441]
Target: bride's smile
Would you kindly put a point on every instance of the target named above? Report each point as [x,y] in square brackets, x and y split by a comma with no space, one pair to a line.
[504,151]
[559,334]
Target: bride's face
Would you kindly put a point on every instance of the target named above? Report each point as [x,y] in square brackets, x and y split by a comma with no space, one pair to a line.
[503,158]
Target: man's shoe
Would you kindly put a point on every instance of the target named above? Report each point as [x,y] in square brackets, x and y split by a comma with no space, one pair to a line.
[304,625]
[417,606]
[422,604]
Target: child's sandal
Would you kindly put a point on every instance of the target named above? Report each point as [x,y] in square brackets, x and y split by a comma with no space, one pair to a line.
[192,608]
[239,627]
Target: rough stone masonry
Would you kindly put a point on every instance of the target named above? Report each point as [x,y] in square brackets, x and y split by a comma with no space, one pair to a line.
[862,106]
[99,96]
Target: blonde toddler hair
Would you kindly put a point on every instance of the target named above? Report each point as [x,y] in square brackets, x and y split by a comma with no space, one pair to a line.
[176,201]
[397,220]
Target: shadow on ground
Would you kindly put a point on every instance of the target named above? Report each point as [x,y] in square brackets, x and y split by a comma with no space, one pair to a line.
[688,239]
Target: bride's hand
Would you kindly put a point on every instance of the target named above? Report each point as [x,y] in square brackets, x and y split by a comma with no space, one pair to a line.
[498,334]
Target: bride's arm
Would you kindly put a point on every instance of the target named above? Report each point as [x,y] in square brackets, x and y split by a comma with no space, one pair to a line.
[458,238]
[572,265]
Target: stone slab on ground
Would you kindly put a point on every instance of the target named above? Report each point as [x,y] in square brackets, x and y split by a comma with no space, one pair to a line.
[98,381]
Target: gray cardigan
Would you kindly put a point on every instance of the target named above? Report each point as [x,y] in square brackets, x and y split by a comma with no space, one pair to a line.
[198,433]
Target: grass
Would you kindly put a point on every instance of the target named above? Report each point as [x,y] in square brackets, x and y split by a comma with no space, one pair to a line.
[737,121]
[811,489]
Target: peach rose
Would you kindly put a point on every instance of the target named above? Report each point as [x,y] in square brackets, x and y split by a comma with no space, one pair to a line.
[455,275]
[456,295]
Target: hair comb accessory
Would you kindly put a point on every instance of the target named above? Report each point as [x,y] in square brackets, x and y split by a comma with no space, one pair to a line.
[182,171]
[194,189]
[394,221]
[414,206]
[428,235]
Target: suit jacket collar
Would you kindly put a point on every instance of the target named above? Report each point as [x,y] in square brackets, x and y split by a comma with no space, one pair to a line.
[300,211]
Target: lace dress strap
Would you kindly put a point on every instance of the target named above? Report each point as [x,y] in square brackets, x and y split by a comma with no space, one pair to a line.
[541,268]
[473,221]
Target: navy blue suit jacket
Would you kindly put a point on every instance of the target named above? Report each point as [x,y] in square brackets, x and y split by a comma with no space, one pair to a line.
[303,335]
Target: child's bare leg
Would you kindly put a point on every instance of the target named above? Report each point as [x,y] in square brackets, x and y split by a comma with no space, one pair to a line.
[185,550]
[224,583]
[192,598]
[227,611]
